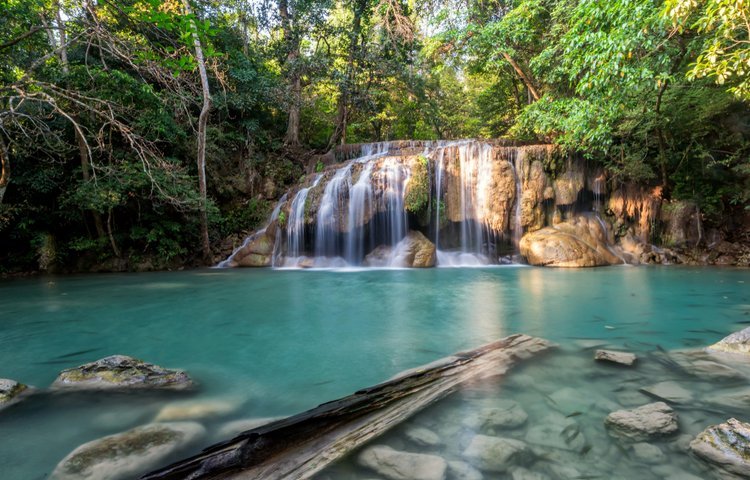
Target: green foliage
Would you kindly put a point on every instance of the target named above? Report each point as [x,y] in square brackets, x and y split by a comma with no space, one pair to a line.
[417,195]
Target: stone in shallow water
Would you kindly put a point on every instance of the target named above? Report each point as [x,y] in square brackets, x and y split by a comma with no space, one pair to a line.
[737,342]
[642,423]
[396,465]
[11,392]
[193,410]
[611,356]
[726,445]
[121,372]
[648,453]
[424,437]
[731,400]
[127,455]
[458,470]
[704,365]
[496,454]
[668,391]
[556,431]
[502,414]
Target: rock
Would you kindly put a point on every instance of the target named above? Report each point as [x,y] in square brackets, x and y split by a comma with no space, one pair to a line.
[704,365]
[396,465]
[495,454]
[556,431]
[568,400]
[121,372]
[726,445]
[570,183]
[648,453]
[458,470]
[127,455]
[737,343]
[526,474]
[733,400]
[414,251]
[579,242]
[621,358]
[194,410]
[231,429]
[423,437]
[668,391]
[503,414]
[11,392]
[642,423]
[257,250]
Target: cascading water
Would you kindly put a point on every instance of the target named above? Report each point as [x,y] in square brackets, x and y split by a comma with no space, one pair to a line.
[464,195]
[250,238]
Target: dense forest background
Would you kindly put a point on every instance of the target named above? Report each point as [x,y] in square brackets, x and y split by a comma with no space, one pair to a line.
[139,134]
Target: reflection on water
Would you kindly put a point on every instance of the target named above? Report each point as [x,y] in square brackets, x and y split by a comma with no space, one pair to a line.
[285,341]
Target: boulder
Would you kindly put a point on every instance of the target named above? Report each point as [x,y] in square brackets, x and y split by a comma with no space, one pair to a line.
[496,454]
[396,465]
[736,343]
[11,392]
[414,251]
[579,242]
[621,358]
[726,445]
[257,251]
[121,372]
[643,423]
[424,437]
[127,455]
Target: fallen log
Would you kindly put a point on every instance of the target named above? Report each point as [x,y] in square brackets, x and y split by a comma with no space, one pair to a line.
[302,445]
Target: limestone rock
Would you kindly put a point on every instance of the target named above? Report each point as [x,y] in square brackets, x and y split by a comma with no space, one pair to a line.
[395,465]
[458,470]
[668,391]
[257,251]
[121,372]
[423,437]
[726,445]
[642,423]
[621,358]
[128,454]
[737,342]
[570,183]
[11,392]
[580,242]
[496,454]
[414,251]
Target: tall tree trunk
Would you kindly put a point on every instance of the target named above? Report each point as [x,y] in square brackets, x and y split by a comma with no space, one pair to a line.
[339,129]
[83,152]
[525,78]
[63,39]
[5,169]
[295,81]
[202,122]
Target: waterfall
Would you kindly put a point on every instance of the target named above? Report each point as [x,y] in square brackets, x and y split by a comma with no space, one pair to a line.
[329,218]
[295,226]
[517,164]
[360,201]
[439,167]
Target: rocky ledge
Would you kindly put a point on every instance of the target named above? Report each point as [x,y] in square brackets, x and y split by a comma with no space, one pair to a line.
[121,372]
[736,343]
[726,445]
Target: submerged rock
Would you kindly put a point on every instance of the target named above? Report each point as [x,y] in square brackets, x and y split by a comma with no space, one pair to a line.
[648,453]
[611,356]
[580,242]
[726,445]
[496,454]
[737,342]
[128,454]
[668,391]
[503,414]
[556,431]
[642,423]
[458,470]
[121,372]
[193,410]
[423,437]
[397,465]
[11,392]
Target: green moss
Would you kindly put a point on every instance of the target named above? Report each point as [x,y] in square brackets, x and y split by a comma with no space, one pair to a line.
[417,196]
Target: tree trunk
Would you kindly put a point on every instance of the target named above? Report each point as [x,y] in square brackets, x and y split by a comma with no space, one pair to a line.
[295,81]
[63,40]
[526,80]
[202,122]
[86,173]
[339,129]
[5,172]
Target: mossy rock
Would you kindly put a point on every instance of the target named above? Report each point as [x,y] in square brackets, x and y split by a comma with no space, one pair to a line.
[11,392]
[121,372]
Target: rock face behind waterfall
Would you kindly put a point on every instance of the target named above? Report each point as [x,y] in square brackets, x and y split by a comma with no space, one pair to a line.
[580,242]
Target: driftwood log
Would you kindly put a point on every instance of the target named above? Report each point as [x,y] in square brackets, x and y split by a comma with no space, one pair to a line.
[302,445]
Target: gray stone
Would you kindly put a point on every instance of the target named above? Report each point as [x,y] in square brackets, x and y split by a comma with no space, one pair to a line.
[568,400]
[127,455]
[726,445]
[121,372]
[648,453]
[556,431]
[526,474]
[502,414]
[11,392]
[732,400]
[704,365]
[642,423]
[737,343]
[611,356]
[423,437]
[396,465]
[458,470]
[668,391]
[496,454]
